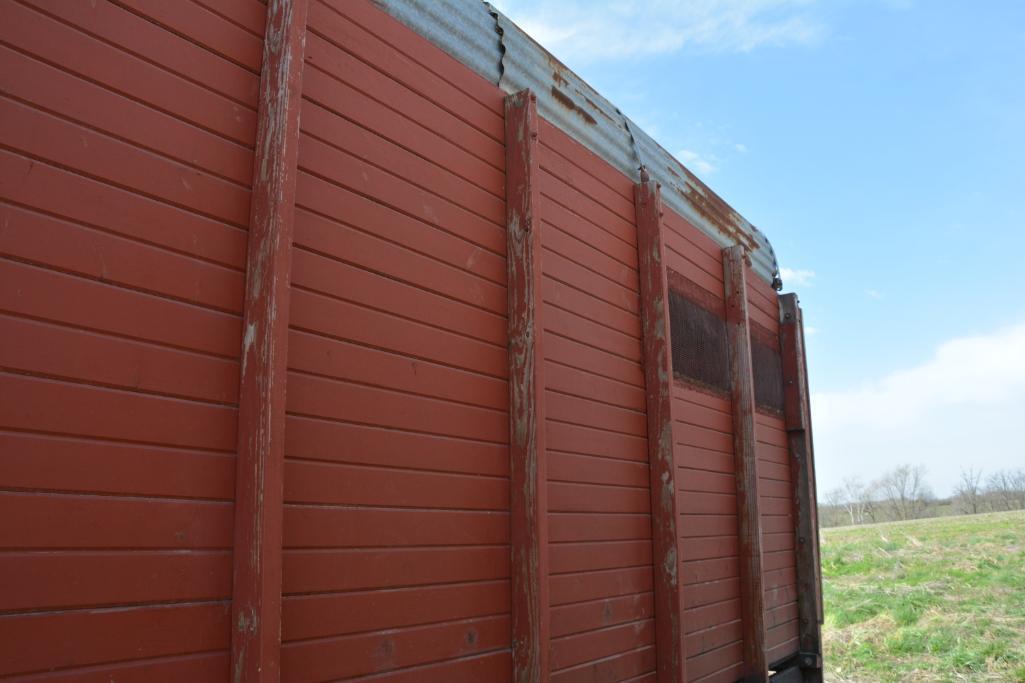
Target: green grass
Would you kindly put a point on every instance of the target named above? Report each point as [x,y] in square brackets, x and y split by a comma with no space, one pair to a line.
[938,599]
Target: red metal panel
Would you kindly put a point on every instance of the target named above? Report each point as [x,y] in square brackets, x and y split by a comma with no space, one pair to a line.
[658,379]
[528,508]
[775,493]
[123,185]
[748,516]
[778,538]
[706,479]
[256,597]
[396,558]
[598,478]
[119,61]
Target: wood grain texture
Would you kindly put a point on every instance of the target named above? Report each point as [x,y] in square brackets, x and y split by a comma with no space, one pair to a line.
[658,378]
[256,598]
[798,423]
[528,505]
[744,450]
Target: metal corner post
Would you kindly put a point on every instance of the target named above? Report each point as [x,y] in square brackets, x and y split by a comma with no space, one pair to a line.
[256,593]
[528,505]
[658,378]
[798,423]
[745,456]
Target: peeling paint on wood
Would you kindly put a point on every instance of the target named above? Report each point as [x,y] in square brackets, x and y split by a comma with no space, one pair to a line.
[528,506]
[738,332]
[802,467]
[256,599]
[658,375]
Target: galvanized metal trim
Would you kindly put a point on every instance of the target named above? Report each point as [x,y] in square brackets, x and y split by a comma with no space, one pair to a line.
[489,43]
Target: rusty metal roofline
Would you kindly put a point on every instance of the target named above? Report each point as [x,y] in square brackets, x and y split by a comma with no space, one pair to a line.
[485,40]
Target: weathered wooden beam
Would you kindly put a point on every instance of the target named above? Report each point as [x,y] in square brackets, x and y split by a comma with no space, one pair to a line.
[797,413]
[256,593]
[528,504]
[658,380]
[749,521]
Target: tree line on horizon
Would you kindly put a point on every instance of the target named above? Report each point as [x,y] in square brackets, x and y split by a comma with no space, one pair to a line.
[904,493]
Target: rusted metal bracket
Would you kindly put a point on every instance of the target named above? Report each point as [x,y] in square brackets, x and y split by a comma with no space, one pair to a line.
[802,468]
[791,674]
[528,505]
[738,332]
[256,596]
[658,378]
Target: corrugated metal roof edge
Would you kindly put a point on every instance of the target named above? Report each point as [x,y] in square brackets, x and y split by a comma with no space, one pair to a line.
[485,40]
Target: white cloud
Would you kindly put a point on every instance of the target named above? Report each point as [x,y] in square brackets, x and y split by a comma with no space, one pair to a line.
[740,147]
[810,330]
[963,407]
[873,293]
[697,162]
[575,30]
[797,277]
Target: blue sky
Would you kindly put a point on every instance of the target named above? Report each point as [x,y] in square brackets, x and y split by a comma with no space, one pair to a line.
[880,144]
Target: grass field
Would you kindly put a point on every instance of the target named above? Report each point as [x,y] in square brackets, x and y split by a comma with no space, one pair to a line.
[930,600]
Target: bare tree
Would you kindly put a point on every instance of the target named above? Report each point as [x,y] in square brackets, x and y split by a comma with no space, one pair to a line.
[969,491]
[1017,478]
[832,514]
[857,499]
[905,491]
[1006,489]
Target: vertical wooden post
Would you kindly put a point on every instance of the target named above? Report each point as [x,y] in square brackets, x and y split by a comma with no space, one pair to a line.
[749,520]
[256,593]
[528,505]
[658,379]
[798,422]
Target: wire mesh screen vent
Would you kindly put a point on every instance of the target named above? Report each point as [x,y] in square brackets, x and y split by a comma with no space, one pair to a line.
[767,368]
[699,344]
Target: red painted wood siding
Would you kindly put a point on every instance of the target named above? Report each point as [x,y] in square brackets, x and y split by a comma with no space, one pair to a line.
[125,165]
[775,490]
[396,478]
[127,135]
[599,509]
[707,488]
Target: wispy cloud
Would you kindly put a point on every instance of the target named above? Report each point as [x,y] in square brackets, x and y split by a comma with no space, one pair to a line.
[575,30]
[703,164]
[797,276]
[873,294]
[740,147]
[962,406]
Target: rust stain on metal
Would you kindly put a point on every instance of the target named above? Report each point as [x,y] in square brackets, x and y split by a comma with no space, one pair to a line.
[712,208]
[557,66]
[567,101]
[595,107]
[716,211]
